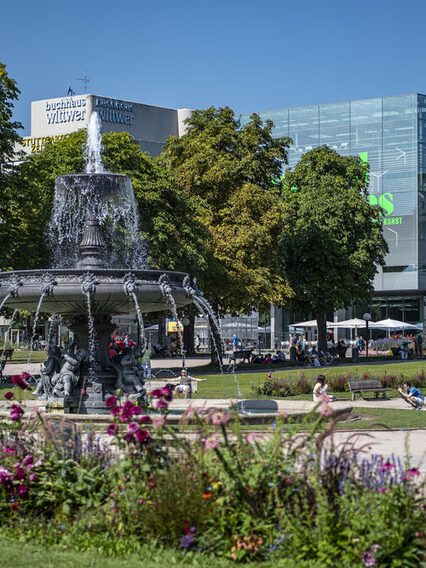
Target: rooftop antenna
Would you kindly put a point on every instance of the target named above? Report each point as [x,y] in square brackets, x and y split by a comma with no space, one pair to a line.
[70,92]
[85,80]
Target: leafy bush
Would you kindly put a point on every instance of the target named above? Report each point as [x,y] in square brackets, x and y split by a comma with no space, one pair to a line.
[292,493]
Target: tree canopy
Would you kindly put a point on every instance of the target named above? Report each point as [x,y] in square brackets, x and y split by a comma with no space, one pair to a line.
[231,167]
[332,242]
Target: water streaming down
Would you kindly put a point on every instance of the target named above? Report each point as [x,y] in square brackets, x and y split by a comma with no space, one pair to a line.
[107,198]
[89,288]
[6,334]
[52,336]
[46,289]
[130,288]
[205,308]
[164,284]
[93,150]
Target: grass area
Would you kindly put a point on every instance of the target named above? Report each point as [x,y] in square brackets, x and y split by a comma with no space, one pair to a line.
[24,555]
[223,386]
[383,418]
[22,355]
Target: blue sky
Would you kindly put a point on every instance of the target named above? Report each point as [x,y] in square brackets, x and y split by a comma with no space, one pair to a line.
[249,55]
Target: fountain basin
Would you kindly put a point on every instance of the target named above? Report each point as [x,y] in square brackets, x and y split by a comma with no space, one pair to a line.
[109,297]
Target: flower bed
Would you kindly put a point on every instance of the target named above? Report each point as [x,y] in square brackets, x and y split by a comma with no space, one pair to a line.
[221,491]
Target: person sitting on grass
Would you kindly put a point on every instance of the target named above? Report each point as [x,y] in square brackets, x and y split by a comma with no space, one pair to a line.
[321,391]
[412,396]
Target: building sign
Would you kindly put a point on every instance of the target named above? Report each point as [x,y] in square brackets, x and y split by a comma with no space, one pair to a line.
[70,109]
[37,144]
[111,110]
[174,327]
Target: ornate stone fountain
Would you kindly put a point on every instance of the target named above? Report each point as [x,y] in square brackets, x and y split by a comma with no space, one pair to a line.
[99,271]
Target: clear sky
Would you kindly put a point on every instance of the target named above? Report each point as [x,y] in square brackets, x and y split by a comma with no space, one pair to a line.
[249,55]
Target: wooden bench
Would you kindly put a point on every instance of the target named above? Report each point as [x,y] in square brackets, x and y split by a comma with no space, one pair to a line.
[358,386]
[243,354]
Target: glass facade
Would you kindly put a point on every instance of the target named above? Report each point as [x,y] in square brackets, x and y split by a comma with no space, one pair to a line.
[390,134]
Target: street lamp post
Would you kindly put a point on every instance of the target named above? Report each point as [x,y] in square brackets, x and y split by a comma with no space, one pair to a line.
[367,318]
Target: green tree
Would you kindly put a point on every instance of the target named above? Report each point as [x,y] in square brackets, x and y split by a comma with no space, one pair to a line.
[8,138]
[332,241]
[231,167]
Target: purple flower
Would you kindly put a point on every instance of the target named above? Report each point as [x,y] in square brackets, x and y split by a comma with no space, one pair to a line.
[20,473]
[28,460]
[112,429]
[16,412]
[368,559]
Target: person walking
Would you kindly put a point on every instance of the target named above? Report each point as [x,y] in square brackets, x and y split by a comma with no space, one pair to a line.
[419,345]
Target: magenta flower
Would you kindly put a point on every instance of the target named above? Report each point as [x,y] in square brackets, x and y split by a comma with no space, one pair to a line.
[166,393]
[136,410]
[142,436]
[386,467]
[112,429]
[20,473]
[22,489]
[145,419]
[162,404]
[111,401]
[115,411]
[413,472]
[211,442]
[20,381]
[158,421]
[27,460]
[9,395]
[16,412]
[219,418]
[384,490]
[156,393]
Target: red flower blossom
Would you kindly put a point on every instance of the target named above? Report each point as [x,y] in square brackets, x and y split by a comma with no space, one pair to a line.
[111,401]
[9,395]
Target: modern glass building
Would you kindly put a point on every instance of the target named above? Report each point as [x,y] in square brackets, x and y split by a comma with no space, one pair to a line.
[390,134]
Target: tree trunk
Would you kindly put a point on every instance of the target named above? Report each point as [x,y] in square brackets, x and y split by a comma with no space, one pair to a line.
[188,337]
[215,342]
[322,329]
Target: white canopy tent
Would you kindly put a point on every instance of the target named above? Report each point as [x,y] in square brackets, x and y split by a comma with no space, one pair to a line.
[353,323]
[391,324]
[310,323]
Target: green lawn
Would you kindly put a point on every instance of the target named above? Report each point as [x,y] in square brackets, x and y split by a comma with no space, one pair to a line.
[383,418]
[22,356]
[222,386]
[23,555]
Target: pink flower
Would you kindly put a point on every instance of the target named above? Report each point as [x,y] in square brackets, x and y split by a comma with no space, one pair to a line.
[283,413]
[111,401]
[325,409]
[413,472]
[83,391]
[16,412]
[9,395]
[211,442]
[252,437]
[219,418]
[133,427]
[386,467]
[112,429]
[384,490]
[33,477]
[158,421]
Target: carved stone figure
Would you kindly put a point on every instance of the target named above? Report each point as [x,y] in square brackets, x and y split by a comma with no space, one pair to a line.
[67,378]
[129,375]
[52,365]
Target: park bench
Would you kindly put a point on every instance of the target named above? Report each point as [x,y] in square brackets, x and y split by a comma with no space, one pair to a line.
[358,386]
[243,354]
